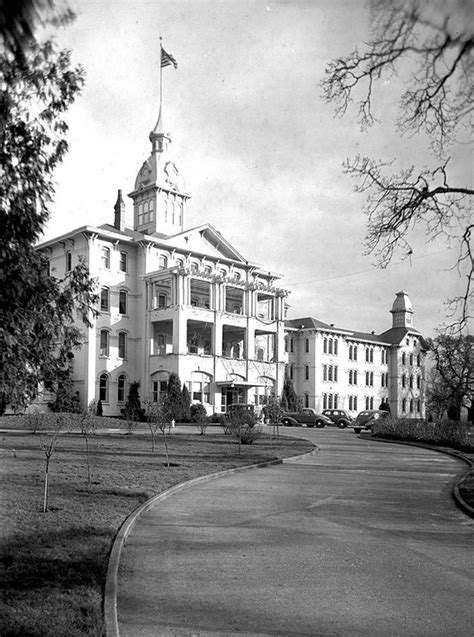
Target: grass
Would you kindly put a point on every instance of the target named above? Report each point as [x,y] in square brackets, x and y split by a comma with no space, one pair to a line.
[54,563]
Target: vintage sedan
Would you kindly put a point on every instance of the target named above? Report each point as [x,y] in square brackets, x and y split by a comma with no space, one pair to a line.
[306,416]
[365,419]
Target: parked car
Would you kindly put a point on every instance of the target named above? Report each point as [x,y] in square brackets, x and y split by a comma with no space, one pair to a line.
[340,417]
[365,419]
[306,416]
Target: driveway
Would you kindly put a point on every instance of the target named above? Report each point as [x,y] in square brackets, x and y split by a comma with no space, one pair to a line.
[362,538]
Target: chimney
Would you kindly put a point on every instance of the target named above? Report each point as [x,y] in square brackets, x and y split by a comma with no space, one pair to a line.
[119,209]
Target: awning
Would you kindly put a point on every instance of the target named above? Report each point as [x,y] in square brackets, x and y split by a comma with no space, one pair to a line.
[238,383]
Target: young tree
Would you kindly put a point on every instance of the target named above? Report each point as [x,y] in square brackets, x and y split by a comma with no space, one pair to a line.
[436,42]
[274,412]
[88,425]
[452,378]
[157,420]
[39,314]
[49,442]
[175,398]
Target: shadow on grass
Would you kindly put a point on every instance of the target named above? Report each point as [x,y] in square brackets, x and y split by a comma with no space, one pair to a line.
[52,580]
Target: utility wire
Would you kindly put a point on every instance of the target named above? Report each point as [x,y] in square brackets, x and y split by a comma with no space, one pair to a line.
[349,274]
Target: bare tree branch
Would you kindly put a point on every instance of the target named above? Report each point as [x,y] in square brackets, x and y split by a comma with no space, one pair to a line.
[437,100]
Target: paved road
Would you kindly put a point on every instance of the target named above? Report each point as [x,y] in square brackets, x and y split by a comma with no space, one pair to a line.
[361,539]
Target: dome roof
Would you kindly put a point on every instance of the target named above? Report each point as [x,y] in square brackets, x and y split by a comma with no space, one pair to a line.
[402,303]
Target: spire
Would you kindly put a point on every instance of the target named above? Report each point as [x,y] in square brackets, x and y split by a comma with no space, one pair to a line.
[159,139]
[119,210]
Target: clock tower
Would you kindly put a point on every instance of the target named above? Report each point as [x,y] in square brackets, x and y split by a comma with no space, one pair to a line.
[159,197]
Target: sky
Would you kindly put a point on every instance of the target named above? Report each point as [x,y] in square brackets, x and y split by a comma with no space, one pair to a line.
[260,150]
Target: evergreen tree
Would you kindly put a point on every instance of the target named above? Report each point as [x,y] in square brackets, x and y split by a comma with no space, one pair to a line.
[133,410]
[175,404]
[38,313]
[289,399]
[186,404]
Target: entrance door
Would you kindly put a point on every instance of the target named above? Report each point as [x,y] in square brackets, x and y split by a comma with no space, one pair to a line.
[234,395]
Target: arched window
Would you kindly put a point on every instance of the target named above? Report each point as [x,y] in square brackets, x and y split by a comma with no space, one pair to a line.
[104,388]
[404,358]
[121,388]
[105,258]
[104,299]
[68,261]
[123,298]
[104,343]
[235,352]
[122,345]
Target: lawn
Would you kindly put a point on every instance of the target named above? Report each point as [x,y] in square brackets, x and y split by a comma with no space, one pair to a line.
[54,563]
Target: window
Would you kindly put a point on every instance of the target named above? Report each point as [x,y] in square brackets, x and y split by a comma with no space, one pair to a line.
[404,358]
[411,359]
[418,406]
[352,377]
[292,371]
[292,345]
[163,262]
[325,372]
[369,354]
[384,379]
[104,343]
[325,345]
[306,372]
[105,258]
[122,345]
[352,403]
[306,400]
[68,261]
[162,300]
[411,382]
[384,356]
[411,405]
[369,379]
[404,380]
[352,352]
[104,300]
[121,388]
[104,388]
[404,405]
[158,388]
[306,345]
[369,402]
[418,382]
[330,346]
[123,263]
[418,359]
[335,346]
[122,302]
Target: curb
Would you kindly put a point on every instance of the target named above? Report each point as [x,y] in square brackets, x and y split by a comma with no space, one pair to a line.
[456,494]
[111,580]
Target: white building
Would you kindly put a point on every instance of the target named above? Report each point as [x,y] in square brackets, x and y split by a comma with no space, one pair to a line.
[334,368]
[173,300]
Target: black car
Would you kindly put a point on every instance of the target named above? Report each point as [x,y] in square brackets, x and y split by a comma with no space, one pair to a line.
[340,417]
[365,419]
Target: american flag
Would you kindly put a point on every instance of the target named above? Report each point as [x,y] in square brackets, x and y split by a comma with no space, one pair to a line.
[167,59]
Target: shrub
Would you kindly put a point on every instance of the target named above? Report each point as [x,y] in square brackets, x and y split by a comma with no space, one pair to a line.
[198,412]
[447,432]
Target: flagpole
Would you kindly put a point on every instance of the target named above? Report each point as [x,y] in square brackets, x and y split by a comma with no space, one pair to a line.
[161,72]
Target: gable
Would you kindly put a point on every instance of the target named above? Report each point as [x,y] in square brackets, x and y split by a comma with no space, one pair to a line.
[205,240]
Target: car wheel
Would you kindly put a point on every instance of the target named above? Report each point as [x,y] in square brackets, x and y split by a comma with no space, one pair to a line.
[286,423]
[342,424]
[320,424]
